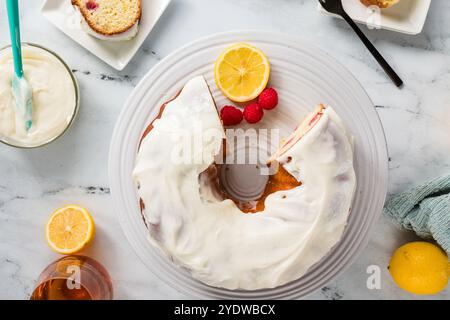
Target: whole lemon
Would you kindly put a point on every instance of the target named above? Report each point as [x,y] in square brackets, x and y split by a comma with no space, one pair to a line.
[420,268]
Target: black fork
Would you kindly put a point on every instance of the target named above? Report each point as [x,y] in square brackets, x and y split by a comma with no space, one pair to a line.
[335,6]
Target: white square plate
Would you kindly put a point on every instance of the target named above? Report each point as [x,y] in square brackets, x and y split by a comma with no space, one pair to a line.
[117,54]
[408,16]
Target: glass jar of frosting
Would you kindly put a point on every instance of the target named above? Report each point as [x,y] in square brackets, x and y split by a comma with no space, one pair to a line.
[55,97]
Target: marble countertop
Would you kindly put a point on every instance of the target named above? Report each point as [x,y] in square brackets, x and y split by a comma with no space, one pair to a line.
[74,168]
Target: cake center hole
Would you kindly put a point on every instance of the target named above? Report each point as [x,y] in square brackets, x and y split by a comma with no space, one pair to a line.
[243,182]
[245,173]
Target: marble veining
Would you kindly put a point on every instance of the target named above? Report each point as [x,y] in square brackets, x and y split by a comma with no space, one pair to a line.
[73,169]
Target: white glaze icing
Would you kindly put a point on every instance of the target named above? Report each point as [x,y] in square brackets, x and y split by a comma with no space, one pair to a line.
[211,237]
[54,97]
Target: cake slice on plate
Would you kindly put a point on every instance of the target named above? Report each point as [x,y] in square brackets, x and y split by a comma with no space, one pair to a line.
[114,20]
[383,4]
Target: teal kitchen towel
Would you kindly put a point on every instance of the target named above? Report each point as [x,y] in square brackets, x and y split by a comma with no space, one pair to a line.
[425,210]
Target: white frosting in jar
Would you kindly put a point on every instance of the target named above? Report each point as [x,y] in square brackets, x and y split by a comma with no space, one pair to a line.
[54,98]
[211,237]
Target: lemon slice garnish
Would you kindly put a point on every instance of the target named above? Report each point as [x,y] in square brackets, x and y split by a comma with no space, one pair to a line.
[242,72]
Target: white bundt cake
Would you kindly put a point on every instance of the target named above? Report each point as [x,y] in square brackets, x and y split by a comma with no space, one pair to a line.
[304,209]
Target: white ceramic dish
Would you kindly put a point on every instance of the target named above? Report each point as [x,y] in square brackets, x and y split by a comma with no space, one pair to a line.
[304,76]
[408,16]
[116,54]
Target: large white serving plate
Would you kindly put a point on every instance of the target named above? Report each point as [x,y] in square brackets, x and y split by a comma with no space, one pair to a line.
[304,76]
[62,14]
[408,16]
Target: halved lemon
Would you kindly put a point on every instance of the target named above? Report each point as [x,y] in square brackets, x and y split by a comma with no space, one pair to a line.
[70,229]
[242,72]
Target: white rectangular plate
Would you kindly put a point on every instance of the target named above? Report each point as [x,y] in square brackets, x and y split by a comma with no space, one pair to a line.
[62,14]
[408,16]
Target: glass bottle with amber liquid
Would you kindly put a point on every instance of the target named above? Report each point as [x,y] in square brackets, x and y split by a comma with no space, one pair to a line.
[74,278]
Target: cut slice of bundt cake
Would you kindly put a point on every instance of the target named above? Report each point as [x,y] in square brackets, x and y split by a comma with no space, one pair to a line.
[109,18]
[383,4]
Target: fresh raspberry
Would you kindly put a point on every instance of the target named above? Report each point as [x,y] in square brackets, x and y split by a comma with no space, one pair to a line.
[268,99]
[253,113]
[231,116]
[91,5]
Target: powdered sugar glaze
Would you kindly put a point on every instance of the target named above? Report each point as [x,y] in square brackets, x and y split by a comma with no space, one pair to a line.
[220,245]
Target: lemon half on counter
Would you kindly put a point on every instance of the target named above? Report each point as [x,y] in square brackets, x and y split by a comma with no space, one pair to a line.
[70,229]
[241,72]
